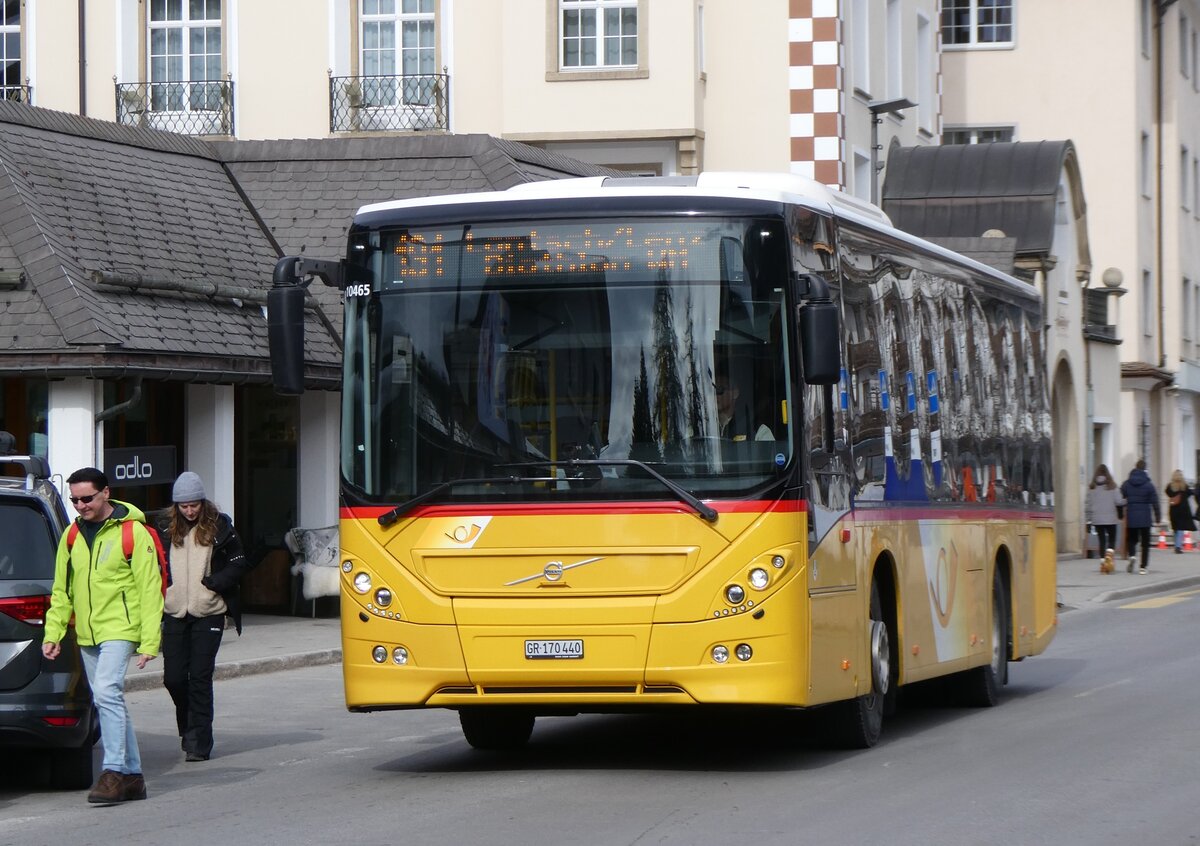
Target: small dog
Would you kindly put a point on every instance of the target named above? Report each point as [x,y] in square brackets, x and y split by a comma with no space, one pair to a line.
[1106,563]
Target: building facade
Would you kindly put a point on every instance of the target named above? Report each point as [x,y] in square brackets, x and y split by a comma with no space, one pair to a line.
[669,87]
[1128,94]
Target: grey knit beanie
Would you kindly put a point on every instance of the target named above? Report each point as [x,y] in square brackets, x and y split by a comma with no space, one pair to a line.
[188,488]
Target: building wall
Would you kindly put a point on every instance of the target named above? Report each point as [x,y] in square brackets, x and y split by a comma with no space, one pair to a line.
[716,88]
[280,64]
[1109,75]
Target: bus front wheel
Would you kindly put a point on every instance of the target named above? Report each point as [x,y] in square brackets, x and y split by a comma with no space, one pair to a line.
[496,728]
[861,719]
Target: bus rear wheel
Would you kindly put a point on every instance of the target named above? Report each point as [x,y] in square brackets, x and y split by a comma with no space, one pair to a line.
[496,728]
[860,720]
[981,685]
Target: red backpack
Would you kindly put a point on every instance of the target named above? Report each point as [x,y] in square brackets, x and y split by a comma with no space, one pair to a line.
[164,569]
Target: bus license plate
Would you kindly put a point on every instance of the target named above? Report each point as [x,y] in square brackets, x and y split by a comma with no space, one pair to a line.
[536,649]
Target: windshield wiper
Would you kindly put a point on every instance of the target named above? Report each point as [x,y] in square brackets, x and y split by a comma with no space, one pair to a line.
[403,508]
[706,511]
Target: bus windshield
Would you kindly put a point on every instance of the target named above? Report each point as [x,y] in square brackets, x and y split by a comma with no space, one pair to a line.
[566,360]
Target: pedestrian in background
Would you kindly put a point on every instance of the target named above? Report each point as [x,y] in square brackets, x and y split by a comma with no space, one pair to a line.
[1104,501]
[1179,508]
[117,604]
[207,565]
[1141,503]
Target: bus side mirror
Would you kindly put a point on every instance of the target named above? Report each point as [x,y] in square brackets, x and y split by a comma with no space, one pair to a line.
[820,333]
[285,334]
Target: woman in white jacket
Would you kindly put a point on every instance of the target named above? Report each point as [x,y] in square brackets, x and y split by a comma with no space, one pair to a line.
[1103,499]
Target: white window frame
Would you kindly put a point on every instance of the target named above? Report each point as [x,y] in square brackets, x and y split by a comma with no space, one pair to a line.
[975,131]
[186,27]
[5,31]
[861,168]
[1144,165]
[1196,186]
[1147,299]
[1195,63]
[1184,182]
[1186,317]
[600,11]
[398,17]
[978,13]
[895,49]
[1146,21]
[926,83]
[860,31]
[1185,61]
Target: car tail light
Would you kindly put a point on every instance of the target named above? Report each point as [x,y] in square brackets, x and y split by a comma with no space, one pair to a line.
[27,609]
[61,722]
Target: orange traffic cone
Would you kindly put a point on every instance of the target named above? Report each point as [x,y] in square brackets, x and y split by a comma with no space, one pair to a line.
[1187,542]
[1162,539]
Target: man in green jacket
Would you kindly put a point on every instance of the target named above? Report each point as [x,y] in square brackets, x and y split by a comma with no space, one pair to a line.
[118,608]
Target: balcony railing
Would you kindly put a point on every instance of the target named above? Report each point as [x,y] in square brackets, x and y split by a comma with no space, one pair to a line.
[189,108]
[17,93]
[389,103]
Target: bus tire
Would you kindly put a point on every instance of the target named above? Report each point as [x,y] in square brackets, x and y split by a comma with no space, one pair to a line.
[981,685]
[861,719]
[496,728]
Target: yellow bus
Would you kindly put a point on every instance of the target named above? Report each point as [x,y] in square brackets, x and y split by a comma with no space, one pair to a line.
[621,444]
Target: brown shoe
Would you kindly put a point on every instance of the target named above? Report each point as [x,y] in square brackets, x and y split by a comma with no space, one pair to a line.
[109,789]
[135,786]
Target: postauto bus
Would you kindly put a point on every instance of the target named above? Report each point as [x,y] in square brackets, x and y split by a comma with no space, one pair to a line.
[622,444]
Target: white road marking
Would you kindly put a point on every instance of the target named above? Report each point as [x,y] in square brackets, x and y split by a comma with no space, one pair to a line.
[1103,687]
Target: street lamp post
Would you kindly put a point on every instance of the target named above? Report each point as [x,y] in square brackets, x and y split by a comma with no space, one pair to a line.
[878,109]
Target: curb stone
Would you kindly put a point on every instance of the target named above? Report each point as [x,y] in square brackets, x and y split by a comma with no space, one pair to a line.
[249,667]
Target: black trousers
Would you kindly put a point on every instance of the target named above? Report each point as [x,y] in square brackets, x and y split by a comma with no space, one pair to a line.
[1106,537]
[189,648]
[1135,536]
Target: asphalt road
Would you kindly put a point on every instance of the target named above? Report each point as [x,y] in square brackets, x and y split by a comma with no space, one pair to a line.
[1096,742]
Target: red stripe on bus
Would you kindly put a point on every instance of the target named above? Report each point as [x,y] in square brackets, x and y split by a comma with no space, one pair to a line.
[364,512]
[873,513]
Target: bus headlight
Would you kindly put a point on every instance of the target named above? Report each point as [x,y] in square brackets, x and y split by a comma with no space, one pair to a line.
[759,578]
[400,655]
[720,653]
[379,654]
[743,652]
[347,566]
[735,594]
[777,562]
[383,597]
[362,582]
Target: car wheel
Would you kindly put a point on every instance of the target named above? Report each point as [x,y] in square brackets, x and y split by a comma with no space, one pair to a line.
[496,728]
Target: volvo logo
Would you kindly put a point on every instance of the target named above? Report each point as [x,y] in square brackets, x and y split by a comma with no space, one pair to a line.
[553,571]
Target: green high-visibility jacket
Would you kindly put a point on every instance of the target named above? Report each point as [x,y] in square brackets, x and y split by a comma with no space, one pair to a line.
[111,598]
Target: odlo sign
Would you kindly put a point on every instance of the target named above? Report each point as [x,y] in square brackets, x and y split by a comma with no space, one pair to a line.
[147,465]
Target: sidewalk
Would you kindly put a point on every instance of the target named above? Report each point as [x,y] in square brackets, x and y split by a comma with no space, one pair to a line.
[270,643]
[1080,582]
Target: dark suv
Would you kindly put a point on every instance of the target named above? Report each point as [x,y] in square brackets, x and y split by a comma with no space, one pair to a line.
[44,705]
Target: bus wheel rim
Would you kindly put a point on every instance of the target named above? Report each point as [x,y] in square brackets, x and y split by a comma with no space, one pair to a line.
[880,657]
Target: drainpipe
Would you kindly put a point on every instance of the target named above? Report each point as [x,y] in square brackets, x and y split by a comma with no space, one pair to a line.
[112,411]
[83,58]
[1160,11]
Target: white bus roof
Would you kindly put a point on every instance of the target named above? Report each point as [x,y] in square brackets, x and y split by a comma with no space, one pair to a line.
[754,185]
[776,187]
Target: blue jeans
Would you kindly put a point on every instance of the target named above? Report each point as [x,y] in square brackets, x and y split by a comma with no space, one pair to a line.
[105,666]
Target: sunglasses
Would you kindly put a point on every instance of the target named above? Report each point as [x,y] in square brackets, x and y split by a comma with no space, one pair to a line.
[75,500]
